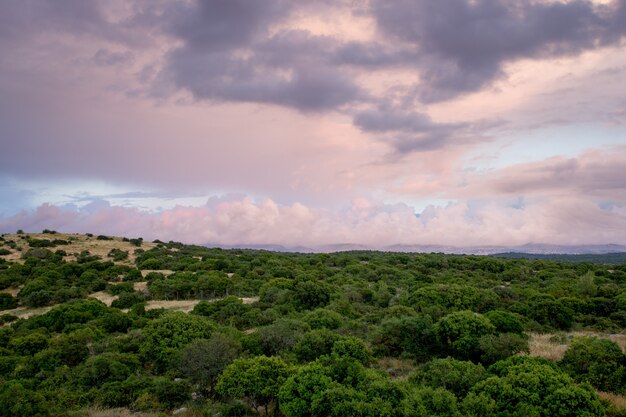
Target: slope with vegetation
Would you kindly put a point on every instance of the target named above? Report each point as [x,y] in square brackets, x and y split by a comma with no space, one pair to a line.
[295,335]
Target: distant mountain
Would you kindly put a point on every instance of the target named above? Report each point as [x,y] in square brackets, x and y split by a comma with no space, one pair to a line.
[530,248]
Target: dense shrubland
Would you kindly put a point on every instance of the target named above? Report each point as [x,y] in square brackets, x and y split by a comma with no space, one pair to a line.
[325,337]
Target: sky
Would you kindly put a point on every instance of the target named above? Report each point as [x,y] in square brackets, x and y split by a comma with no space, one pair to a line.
[325,122]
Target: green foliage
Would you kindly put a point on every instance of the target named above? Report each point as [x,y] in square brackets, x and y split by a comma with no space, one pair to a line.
[310,294]
[301,389]
[257,380]
[118,255]
[7,301]
[459,333]
[450,374]
[600,362]
[204,359]
[354,348]
[410,308]
[505,322]
[498,347]
[171,332]
[534,389]
[323,318]
[15,400]
[282,335]
[315,344]
[411,336]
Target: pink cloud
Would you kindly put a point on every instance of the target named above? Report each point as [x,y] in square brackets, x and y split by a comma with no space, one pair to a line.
[242,221]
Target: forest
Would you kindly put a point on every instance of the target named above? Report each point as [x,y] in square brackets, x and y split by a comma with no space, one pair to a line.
[108,326]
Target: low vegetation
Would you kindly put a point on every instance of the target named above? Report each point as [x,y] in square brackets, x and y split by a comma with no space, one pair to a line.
[99,326]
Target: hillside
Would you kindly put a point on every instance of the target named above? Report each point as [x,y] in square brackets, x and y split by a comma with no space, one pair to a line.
[97,325]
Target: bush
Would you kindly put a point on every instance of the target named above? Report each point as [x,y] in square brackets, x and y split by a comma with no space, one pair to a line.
[323,318]
[118,254]
[127,300]
[257,380]
[411,336]
[600,362]
[505,322]
[314,344]
[7,301]
[531,388]
[451,374]
[498,347]
[165,336]
[459,334]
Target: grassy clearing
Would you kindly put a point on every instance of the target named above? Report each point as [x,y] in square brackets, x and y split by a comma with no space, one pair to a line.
[398,369]
[13,290]
[113,412]
[104,297]
[165,272]
[616,403]
[186,305]
[553,345]
[25,312]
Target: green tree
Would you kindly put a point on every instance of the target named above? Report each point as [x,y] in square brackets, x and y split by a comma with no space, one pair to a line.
[299,390]
[256,380]
[528,387]
[165,336]
[451,374]
[205,359]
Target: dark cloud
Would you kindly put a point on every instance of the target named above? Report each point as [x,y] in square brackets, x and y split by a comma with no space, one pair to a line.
[410,131]
[289,68]
[219,24]
[463,44]
[20,20]
[107,58]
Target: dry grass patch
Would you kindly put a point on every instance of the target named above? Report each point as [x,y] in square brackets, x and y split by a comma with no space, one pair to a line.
[113,412]
[104,297]
[397,368]
[176,305]
[165,272]
[547,346]
[140,286]
[616,400]
[25,312]
[12,290]
[553,345]
[187,305]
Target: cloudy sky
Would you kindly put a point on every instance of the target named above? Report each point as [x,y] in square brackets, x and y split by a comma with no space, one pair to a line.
[284,122]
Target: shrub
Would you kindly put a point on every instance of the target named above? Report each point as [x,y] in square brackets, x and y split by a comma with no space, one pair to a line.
[497,347]
[7,301]
[314,344]
[531,388]
[451,374]
[597,361]
[118,254]
[257,380]
[412,336]
[459,334]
